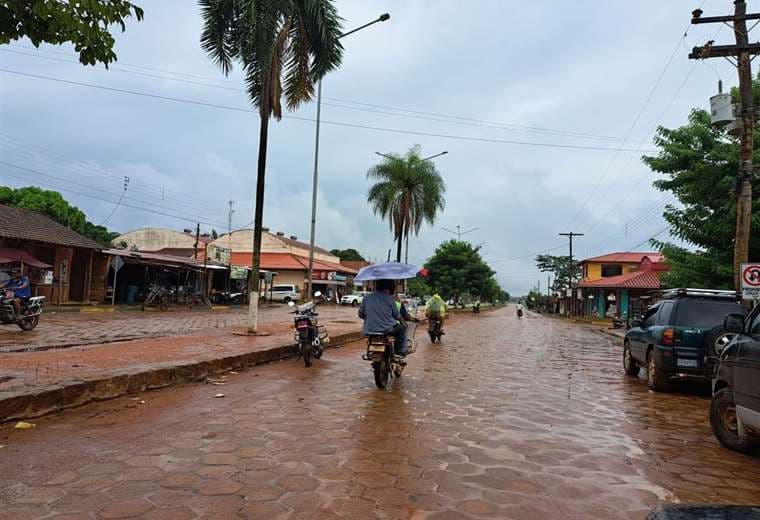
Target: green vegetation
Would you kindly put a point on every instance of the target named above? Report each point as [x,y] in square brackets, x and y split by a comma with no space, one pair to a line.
[456,270]
[560,267]
[349,254]
[408,192]
[84,24]
[52,204]
[700,162]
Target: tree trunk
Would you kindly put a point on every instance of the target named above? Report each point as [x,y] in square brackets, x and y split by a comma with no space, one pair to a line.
[400,241]
[253,285]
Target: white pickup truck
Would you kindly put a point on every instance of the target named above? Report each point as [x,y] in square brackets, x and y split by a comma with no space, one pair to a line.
[354,299]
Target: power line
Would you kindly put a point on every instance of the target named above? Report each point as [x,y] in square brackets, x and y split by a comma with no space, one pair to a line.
[395,111]
[334,123]
[29,170]
[118,202]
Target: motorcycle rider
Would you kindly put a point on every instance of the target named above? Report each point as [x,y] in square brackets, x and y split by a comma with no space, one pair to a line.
[435,308]
[519,309]
[381,315]
[19,287]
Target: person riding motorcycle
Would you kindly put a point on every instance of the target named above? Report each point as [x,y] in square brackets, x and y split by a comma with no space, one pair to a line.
[435,308]
[19,289]
[382,315]
[519,309]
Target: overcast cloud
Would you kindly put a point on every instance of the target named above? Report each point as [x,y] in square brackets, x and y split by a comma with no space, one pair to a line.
[583,66]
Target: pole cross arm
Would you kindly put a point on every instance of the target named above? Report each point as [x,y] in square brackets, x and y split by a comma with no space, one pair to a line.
[722,51]
[727,19]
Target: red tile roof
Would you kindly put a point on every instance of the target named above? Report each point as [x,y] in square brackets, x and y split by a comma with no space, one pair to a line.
[23,224]
[288,261]
[634,280]
[626,257]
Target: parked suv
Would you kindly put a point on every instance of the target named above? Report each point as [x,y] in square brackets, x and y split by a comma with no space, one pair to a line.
[735,406]
[286,293]
[680,337]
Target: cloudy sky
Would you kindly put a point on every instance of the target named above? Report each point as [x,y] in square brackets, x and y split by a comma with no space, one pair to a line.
[541,105]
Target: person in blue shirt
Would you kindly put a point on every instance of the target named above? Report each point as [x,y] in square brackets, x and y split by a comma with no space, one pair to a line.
[19,287]
[381,315]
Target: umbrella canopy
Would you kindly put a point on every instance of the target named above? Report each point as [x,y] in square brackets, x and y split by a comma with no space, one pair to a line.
[387,271]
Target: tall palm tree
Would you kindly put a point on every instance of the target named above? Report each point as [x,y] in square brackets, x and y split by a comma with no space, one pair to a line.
[408,192]
[283,47]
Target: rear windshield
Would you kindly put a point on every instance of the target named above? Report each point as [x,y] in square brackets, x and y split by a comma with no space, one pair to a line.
[705,313]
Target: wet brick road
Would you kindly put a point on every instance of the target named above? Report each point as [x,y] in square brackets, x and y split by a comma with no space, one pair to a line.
[506,419]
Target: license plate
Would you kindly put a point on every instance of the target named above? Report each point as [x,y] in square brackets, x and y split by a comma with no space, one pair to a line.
[690,363]
[376,348]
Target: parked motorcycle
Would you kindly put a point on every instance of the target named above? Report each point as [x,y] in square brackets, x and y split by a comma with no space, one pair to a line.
[311,336]
[159,296]
[31,309]
[435,329]
[227,298]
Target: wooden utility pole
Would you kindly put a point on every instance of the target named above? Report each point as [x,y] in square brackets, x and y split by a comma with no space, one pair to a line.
[197,238]
[571,235]
[743,52]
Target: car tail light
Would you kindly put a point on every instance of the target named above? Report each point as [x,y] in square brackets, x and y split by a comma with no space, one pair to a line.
[302,324]
[668,337]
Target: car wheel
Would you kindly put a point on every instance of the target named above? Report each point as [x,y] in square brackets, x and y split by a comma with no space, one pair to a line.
[725,423]
[354,303]
[629,364]
[286,300]
[717,340]
[656,380]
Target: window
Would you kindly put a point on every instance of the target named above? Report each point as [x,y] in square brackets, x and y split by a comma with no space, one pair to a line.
[650,316]
[705,313]
[611,270]
[666,310]
[282,288]
[755,328]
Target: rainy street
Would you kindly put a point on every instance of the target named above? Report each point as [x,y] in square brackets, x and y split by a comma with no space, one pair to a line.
[507,418]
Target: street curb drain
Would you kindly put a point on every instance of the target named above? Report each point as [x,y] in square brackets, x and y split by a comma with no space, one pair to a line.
[28,405]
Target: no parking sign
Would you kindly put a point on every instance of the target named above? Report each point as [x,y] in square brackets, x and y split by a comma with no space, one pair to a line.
[751,281]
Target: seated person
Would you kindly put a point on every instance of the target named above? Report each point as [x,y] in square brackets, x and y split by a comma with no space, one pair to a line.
[20,289]
[381,315]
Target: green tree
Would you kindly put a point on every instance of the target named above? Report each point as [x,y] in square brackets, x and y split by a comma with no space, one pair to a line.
[349,254]
[214,234]
[700,162]
[418,287]
[560,267]
[283,48]
[53,205]
[84,24]
[456,269]
[408,192]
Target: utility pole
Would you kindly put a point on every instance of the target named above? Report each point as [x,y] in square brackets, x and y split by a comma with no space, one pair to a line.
[197,238]
[229,244]
[571,235]
[743,52]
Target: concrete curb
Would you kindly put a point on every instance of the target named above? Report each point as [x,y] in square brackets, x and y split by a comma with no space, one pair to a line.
[50,399]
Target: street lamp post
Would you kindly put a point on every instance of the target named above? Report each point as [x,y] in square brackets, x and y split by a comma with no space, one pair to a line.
[382,18]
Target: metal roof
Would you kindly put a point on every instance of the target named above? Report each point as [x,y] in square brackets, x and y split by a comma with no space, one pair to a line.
[25,224]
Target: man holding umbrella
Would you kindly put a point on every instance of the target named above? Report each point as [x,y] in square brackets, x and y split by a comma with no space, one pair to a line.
[381,314]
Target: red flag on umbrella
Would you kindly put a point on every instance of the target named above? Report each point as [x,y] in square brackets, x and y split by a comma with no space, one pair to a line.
[424,272]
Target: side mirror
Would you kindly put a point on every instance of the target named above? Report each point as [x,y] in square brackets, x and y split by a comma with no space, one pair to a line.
[318,294]
[291,304]
[636,323]
[734,323]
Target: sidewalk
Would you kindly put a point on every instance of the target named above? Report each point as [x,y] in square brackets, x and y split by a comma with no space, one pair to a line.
[34,383]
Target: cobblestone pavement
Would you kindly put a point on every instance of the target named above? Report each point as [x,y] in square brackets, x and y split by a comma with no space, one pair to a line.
[85,328]
[160,344]
[506,419]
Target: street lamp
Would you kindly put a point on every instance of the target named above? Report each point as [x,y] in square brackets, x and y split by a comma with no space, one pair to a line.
[382,18]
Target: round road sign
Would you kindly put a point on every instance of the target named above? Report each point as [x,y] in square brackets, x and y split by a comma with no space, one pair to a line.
[751,276]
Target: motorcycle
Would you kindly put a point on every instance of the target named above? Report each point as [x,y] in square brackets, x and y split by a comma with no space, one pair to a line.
[31,309]
[158,296]
[311,336]
[435,329]
[227,298]
[382,355]
[519,313]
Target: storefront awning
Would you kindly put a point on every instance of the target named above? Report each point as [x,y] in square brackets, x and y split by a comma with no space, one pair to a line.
[8,255]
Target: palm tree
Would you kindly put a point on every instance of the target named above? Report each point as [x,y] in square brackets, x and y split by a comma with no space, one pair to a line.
[408,192]
[283,47]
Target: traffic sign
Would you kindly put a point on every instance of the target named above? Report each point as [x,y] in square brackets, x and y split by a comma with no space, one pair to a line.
[117,263]
[751,281]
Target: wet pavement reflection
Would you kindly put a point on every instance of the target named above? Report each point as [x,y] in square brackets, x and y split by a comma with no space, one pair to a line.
[506,418]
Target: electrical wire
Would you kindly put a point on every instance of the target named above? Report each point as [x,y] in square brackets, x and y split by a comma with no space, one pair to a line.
[326,122]
[118,202]
[341,103]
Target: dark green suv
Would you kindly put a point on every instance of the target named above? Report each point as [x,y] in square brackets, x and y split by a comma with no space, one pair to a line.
[680,337]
